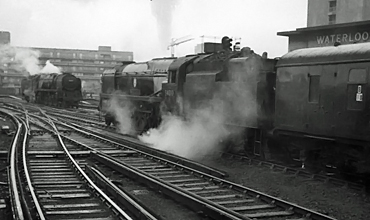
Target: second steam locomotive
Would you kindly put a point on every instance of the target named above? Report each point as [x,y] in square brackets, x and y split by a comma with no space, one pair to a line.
[62,90]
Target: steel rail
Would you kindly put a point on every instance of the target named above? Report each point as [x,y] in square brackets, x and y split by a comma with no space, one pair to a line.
[267,198]
[209,208]
[14,193]
[154,153]
[129,202]
[287,169]
[84,175]
[35,200]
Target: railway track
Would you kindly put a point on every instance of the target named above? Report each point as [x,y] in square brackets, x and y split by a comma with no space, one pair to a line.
[46,186]
[328,179]
[207,190]
[202,192]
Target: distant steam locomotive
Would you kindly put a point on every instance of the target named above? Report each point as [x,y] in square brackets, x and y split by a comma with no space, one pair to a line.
[61,90]
[311,104]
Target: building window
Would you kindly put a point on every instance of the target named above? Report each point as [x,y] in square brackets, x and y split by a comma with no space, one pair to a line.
[129,58]
[333,6]
[96,56]
[101,62]
[74,55]
[58,54]
[332,19]
[51,54]
[114,57]
[80,55]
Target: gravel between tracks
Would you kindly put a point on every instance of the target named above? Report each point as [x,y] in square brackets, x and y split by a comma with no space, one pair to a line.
[5,142]
[337,202]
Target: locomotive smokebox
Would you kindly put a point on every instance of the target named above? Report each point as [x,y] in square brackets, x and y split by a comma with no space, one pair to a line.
[68,82]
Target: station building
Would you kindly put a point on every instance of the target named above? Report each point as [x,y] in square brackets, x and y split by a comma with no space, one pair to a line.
[88,65]
[325,12]
[332,22]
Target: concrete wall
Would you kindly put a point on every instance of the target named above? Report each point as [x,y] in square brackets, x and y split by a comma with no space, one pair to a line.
[349,11]
[317,13]
[346,11]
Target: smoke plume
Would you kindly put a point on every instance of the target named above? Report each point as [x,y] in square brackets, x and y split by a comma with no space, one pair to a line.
[204,131]
[193,137]
[50,68]
[163,12]
[20,59]
[122,111]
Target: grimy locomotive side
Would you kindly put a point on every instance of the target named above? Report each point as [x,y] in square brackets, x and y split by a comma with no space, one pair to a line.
[61,90]
[310,105]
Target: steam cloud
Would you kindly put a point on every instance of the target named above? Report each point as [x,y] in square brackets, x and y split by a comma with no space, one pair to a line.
[50,68]
[122,111]
[163,12]
[21,59]
[193,137]
[25,60]
[204,131]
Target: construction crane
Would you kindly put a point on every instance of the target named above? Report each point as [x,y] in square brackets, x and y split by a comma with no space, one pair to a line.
[178,41]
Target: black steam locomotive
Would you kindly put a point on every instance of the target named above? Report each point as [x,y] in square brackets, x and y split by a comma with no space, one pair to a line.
[310,105]
[61,90]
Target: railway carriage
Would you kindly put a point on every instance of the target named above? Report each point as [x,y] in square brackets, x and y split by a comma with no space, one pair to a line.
[322,104]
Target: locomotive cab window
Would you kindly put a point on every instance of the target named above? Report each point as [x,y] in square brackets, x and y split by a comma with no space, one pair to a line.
[356,89]
[314,89]
[172,76]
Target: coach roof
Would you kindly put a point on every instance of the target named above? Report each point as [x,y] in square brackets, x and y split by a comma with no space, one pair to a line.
[359,52]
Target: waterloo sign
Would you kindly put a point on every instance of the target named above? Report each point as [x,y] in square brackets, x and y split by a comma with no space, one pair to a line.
[343,38]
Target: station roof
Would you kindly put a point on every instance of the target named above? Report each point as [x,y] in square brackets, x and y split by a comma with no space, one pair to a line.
[300,31]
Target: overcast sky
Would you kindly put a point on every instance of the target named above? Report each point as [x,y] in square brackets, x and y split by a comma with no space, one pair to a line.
[146,27]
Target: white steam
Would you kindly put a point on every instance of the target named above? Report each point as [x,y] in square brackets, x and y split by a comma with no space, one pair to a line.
[50,68]
[214,116]
[21,59]
[193,137]
[163,12]
[122,111]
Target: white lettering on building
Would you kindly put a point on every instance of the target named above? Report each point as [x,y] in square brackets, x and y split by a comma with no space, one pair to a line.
[343,38]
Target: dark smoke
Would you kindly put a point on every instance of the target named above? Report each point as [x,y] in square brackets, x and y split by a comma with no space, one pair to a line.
[163,12]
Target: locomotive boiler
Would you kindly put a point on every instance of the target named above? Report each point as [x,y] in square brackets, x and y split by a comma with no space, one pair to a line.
[62,90]
[137,88]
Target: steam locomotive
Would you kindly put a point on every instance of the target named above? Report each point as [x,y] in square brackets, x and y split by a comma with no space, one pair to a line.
[139,85]
[309,105]
[61,90]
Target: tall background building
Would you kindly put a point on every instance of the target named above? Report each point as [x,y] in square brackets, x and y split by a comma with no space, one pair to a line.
[326,12]
[332,22]
[88,65]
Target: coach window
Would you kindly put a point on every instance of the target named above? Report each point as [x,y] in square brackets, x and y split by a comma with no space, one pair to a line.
[356,89]
[314,89]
